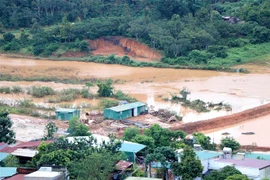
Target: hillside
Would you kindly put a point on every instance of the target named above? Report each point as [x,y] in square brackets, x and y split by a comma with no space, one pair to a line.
[202,33]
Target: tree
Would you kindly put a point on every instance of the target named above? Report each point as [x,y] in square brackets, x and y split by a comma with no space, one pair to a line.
[130,133]
[165,155]
[97,166]
[237,177]
[105,89]
[50,128]
[76,128]
[163,136]
[11,161]
[204,141]
[6,134]
[190,167]
[229,142]
[223,173]
[145,140]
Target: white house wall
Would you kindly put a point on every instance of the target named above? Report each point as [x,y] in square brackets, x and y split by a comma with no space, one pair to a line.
[265,173]
[252,173]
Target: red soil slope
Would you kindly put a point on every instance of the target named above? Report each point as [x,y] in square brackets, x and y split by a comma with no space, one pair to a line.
[123,46]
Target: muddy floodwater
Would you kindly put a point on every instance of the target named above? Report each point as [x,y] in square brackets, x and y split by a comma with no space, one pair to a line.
[260,128]
[151,85]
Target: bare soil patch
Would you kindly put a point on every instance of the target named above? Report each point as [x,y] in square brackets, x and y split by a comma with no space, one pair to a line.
[121,46]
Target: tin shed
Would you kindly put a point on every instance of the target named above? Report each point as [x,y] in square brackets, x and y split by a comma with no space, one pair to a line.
[124,111]
[66,114]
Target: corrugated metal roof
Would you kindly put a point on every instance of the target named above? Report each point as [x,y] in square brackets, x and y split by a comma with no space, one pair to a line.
[3,156]
[126,106]
[203,155]
[65,110]
[16,177]
[7,171]
[250,163]
[262,156]
[24,152]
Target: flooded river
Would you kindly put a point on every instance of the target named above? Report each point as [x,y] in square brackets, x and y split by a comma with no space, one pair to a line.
[150,85]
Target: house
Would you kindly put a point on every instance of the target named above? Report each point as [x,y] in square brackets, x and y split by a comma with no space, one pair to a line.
[255,169]
[125,111]
[129,148]
[49,173]
[25,151]
[66,114]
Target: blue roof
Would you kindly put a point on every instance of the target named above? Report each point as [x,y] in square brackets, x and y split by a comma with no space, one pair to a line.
[203,155]
[126,106]
[7,171]
[263,156]
[131,147]
[65,110]
[3,156]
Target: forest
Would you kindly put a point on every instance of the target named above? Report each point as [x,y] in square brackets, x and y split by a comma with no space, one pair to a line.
[208,33]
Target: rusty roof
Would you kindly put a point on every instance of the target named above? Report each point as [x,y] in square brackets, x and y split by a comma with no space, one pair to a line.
[123,165]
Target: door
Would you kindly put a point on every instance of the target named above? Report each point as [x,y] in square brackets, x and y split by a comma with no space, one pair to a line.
[135,111]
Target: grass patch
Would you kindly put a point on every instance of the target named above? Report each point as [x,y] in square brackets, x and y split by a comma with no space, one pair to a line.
[251,53]
[40,92]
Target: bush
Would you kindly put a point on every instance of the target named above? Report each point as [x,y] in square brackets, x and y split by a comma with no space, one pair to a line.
[14,46]
[50,49]
[16,89]
[5,90]
[107,103]
[41,91]
[199,57]
[219,51]
[8,36]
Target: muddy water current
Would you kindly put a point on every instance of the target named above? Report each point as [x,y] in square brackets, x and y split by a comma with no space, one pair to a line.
[151,85]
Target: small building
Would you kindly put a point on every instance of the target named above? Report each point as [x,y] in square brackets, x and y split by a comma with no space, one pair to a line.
[253,168]
[125,111]
[66,114]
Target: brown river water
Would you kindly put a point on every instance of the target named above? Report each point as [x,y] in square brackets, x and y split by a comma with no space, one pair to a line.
[150,85]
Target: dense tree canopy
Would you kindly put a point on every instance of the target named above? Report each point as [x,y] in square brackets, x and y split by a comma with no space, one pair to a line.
[229,142]
[224,173]
[184,30]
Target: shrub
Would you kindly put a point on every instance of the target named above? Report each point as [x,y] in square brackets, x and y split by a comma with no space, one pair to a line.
[107,103]
[16,89]
[8,36]
[41,91]
[5,90]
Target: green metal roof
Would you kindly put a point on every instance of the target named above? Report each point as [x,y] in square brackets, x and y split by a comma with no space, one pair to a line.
[263,156]
[7,171]
[142,178]
[203,155]
[126,106]
[3,156]
[65,110]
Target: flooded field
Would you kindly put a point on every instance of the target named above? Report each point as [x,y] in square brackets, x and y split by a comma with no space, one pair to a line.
[152,85]
[260,128]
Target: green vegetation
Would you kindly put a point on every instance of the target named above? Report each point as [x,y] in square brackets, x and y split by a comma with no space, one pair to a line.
[204,141]
[79,153]
[197,105]
[6,134]
[50,129]
[230,142]
[190,166]
[11,161]
[224,173]
[76,128]
[190,34]
[40,92]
